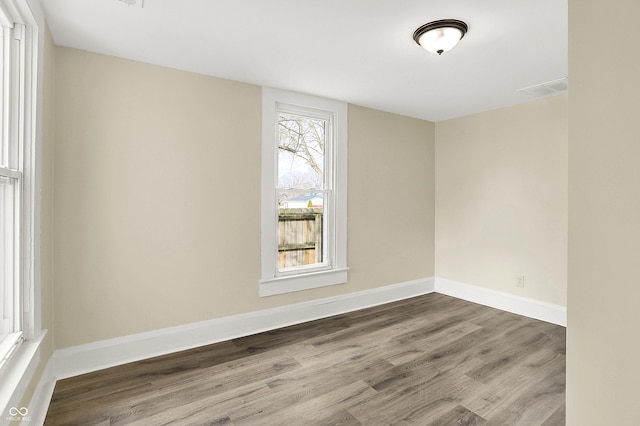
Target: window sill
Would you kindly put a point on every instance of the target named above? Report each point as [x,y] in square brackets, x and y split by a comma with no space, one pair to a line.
[293,283]
[18,370]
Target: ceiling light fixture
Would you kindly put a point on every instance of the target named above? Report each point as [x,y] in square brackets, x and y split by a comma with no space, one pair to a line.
[440,36]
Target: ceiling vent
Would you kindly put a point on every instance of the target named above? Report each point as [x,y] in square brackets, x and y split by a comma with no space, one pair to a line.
[137,3]
[549,88]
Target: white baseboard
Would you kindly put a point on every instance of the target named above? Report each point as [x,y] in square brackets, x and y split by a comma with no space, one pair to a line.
[90,357]
[39,404]
[531,308]
[95,356]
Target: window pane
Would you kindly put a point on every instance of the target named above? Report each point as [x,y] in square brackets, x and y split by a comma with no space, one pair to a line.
[301,144]
[7,259]
[301,197]
[13,114]
[301,225]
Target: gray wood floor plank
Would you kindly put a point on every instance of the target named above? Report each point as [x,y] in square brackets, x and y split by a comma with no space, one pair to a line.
[429,360]
[460,416]
[557,418]
[312,410]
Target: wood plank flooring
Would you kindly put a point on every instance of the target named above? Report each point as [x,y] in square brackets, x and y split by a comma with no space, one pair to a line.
[430,360]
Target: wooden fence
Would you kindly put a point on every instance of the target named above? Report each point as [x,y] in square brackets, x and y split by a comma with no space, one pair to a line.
[299,237]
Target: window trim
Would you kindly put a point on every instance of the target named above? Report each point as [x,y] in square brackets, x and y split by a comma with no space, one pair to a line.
[272,282]
[20,14]
[22,363]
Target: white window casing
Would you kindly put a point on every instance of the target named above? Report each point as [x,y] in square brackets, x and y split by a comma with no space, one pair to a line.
[333,269]
[18,77]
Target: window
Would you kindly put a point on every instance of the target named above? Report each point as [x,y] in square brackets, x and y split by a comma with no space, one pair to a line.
[16,178]
[303,140]
[303,192]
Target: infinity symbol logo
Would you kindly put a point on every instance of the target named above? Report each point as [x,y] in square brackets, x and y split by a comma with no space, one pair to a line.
[13,411]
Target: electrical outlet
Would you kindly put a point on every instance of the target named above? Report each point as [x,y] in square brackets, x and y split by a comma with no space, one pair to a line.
[520,281]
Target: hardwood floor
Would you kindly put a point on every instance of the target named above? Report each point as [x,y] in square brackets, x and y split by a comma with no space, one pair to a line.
[430,360]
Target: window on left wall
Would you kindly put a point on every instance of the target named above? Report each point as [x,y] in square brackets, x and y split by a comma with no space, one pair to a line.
[17,160]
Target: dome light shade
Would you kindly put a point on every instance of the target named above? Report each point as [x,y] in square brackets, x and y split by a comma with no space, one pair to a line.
[440,36]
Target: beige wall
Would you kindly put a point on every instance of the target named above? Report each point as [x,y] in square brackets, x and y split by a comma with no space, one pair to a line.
[603,334]
[391,198]
[501,199]
[157,202]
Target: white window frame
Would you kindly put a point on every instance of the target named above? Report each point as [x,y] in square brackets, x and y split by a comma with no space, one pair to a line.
[334,270]
[22,132]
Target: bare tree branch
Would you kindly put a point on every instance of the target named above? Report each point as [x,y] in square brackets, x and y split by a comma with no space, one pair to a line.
[301,137]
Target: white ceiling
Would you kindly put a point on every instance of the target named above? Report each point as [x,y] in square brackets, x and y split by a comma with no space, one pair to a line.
[359,51]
